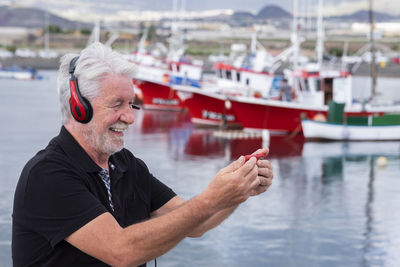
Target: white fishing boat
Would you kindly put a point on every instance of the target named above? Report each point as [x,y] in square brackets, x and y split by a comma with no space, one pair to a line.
[18,73]
[338,126]
[332,131]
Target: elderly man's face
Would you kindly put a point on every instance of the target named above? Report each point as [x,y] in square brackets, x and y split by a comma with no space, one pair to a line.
[112,114]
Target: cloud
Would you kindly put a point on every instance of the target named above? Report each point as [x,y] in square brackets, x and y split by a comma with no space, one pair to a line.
[348,7]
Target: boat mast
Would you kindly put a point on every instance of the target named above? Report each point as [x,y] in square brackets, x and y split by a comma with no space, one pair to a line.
[95,36]
[372,44]
[295,37]
[320,33]
[46,32]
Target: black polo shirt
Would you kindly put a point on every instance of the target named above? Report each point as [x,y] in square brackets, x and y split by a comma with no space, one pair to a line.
[59,191]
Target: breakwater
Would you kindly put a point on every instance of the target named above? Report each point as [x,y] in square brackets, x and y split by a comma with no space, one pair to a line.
[32,62]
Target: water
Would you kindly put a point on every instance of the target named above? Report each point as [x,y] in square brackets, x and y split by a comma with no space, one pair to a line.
[330,203]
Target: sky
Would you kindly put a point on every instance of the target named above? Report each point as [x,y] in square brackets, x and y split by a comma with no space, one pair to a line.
[75,9]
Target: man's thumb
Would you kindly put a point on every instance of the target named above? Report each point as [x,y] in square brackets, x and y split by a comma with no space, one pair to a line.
[235,165]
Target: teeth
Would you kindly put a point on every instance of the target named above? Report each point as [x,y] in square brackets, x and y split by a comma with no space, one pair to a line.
[117,130]
[118,127]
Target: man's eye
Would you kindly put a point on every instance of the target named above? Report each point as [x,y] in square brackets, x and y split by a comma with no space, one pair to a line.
[116,106]
[133,106]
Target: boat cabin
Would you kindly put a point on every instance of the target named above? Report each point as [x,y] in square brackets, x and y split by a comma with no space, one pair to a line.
[320,87]
[246,81]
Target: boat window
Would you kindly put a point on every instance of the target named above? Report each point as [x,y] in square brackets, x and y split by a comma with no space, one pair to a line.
[238,76]
[312,84]
[220,73]
[302,85]
[228,75]
[306,85]
[319,84]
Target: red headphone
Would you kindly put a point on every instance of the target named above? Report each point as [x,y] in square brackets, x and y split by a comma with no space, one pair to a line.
[80,107]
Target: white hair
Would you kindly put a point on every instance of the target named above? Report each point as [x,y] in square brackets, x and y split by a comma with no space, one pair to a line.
[94,63]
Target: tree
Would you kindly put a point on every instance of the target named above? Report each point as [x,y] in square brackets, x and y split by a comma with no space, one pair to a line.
[52,28]
[86,31]
[152,32]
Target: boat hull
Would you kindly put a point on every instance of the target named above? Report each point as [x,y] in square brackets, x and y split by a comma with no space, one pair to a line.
[208,109]
[329,131]
[276,116]
[158,96]
[280,116]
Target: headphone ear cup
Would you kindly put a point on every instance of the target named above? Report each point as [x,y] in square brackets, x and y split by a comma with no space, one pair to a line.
[80,107]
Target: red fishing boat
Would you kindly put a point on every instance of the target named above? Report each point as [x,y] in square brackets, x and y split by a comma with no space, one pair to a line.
[160,68]
[153,84]
[313,91]
[209,105]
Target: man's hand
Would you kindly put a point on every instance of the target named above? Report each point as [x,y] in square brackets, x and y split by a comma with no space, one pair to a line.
[233,184]
[265,173]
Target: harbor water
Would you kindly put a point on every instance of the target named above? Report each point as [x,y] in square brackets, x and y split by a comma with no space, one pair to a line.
[331,204]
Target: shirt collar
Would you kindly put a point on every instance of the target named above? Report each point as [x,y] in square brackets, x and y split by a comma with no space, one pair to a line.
[117,160]
[75,152]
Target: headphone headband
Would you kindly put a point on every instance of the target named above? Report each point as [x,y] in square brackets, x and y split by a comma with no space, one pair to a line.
[72,65]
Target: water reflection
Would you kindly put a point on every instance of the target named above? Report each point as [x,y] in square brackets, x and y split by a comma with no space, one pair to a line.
[368,243]
[202,142]
[153,121]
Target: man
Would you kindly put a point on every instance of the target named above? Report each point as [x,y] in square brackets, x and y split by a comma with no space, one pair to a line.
[86,201]
[285,91]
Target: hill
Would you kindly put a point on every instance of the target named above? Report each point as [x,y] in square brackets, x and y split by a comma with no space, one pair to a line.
[273,12]
[242,15]
[363,16]
[35,18]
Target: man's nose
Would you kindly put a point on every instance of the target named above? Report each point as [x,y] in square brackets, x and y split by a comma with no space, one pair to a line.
[127,115]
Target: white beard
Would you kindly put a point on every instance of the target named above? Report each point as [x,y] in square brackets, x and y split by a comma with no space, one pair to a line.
[104,144]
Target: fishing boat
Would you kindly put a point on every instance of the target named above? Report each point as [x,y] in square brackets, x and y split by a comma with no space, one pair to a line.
[240,75]
[384,128]
[210,105]
[18,73]
[314,85]
[375,127]
[250,76]
[156,72]
[153,83]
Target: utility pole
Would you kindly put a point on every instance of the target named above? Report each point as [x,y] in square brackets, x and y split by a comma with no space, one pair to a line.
[372,44]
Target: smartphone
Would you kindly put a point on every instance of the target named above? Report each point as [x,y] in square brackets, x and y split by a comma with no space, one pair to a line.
[258,156]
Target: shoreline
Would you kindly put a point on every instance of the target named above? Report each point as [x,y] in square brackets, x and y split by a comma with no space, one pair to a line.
[391,70]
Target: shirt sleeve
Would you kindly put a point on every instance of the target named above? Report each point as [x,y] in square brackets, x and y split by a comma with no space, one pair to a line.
[57,201]
[160,193]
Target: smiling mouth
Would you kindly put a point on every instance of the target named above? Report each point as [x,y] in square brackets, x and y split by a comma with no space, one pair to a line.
[118,130]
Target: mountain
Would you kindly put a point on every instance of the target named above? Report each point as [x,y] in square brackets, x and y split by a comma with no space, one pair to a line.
[273,12]
[242,15]
[34,18]
[363,16]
